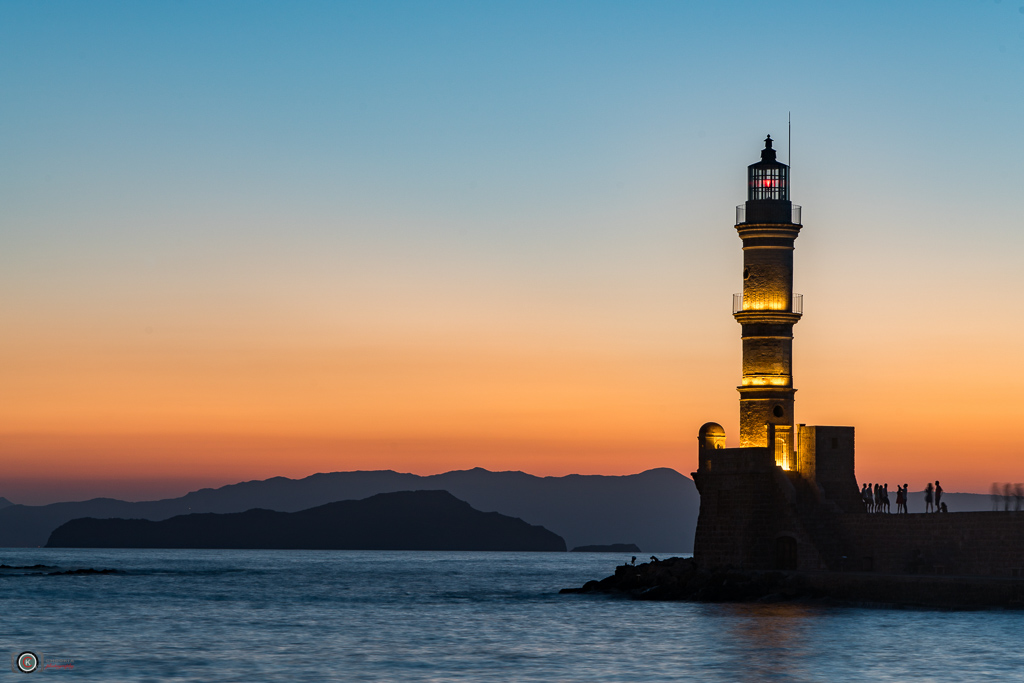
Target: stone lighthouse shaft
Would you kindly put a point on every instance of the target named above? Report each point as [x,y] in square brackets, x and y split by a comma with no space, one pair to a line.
[768,224]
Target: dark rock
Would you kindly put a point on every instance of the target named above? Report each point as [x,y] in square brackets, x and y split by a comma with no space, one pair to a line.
[681,579]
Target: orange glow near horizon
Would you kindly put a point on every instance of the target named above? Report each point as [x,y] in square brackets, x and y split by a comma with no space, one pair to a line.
[146,392]
[210,417]
[237,414]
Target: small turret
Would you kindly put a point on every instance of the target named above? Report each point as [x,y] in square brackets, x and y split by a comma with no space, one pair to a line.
[711,436]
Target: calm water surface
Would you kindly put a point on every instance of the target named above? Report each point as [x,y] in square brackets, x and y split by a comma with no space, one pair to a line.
[400,616]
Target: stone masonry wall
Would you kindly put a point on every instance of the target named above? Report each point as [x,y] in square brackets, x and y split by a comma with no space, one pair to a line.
[746,505]
[961,543]
[833,464]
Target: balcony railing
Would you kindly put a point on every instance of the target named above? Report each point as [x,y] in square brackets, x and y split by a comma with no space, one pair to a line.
[768,302]
[795,214]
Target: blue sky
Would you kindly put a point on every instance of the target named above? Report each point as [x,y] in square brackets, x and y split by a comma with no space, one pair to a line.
[529,177]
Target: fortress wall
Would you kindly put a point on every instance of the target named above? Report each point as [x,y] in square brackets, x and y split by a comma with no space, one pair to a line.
[746,504]
[961,543]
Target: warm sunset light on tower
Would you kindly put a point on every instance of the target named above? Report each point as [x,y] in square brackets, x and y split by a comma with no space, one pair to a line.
[768,223]
[788,498]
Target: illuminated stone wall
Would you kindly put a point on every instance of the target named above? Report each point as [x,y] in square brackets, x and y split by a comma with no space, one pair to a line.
[768,274]
[767,316]
[766,362]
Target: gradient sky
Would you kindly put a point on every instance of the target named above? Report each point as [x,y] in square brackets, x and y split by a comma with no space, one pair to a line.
[248,239]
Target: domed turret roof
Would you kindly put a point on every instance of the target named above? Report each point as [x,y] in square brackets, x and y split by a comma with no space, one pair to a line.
[711,429]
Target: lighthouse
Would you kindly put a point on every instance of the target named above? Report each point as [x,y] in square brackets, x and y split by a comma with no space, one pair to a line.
[768,224]
[772,502]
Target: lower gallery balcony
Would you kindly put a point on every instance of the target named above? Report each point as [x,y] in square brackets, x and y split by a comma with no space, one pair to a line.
[767,302]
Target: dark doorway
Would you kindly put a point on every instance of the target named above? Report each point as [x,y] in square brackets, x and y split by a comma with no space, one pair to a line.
[785,552]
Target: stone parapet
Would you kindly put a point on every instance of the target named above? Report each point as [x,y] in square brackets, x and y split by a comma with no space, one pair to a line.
[956,543]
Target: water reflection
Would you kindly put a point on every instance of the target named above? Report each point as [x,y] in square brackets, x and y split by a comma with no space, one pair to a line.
[768,641]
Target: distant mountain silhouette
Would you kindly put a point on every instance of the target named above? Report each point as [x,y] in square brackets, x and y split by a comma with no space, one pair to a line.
[407,520]
[656,509]
[5,503]
[957,502]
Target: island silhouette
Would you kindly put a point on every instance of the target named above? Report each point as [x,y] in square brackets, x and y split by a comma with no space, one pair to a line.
[405,520]
[655,509]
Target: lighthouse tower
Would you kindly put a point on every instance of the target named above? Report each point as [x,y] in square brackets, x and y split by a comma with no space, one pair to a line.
[776,502]
[767,309]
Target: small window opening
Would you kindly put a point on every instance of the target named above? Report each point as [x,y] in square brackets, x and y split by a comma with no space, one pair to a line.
[777,411]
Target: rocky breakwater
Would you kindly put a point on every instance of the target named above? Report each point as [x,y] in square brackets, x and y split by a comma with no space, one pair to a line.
[678,578]
[682,579]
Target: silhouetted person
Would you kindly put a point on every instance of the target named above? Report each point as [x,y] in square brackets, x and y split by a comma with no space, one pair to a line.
[899,499]
[943,508]
[634,561]
[654,559]
[938,494]
[885,498]
[928,507]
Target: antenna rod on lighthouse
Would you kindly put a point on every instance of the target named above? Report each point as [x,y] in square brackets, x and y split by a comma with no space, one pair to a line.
[789,154]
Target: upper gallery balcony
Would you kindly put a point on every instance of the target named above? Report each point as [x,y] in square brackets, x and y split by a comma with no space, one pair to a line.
[769,212]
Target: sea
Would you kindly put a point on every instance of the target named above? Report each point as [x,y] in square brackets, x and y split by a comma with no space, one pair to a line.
[250,615]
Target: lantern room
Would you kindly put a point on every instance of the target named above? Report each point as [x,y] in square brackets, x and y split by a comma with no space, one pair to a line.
[768,178]
[768,192]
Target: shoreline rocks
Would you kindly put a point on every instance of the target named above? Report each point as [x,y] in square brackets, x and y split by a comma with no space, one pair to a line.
[680,579]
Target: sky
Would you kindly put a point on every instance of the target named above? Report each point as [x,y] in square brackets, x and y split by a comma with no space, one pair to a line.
[250,239]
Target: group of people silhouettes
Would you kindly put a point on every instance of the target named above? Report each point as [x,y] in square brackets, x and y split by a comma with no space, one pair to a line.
[929,491]
[876,498]
[1008,497]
